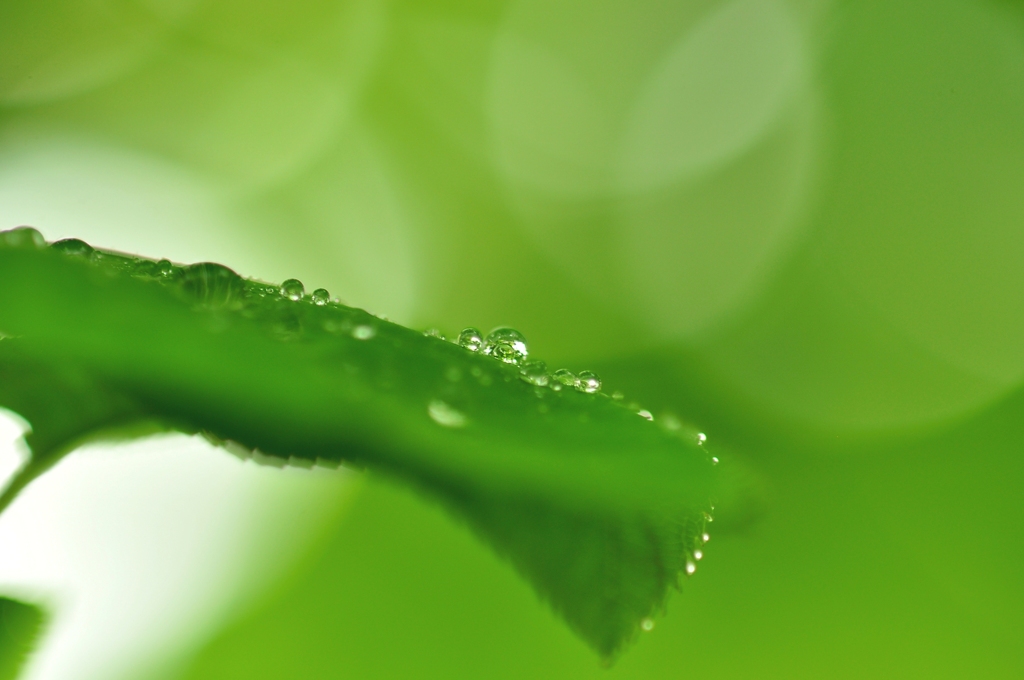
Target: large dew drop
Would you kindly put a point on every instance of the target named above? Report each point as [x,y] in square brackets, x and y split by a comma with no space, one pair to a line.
[587,381]
[213,285]
[506,345]
[293,289]
[22,237]
[472,339]
[73,246]
[444,414]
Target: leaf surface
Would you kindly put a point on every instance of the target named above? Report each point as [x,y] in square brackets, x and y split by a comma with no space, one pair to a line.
[598,508]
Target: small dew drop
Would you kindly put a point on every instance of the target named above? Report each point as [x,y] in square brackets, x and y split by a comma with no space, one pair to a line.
[644,413]
[22,237]
[444,414]
[293,289]
[563,377]
[535,373]
[701,438]
[587,381]
[320,297]
[714,460]
[472,339]
[434,333]
[690,567]
[506,345]
[363,332]
[73,247]
[647,625]
[698,555]
[705,537]
[165,268]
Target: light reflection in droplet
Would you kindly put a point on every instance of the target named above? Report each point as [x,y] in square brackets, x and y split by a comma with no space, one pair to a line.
[446,415]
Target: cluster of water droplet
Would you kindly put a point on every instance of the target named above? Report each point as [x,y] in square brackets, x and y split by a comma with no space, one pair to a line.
[214,286]
[508,346]
[211,284]
[695,538]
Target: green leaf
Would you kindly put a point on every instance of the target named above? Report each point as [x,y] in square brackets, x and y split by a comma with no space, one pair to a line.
[20,625]
[598,508]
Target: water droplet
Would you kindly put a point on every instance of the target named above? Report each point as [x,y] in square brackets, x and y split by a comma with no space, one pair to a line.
[147,268]
[506,345]
[165,267]
[708,517]
[563,377]
[690,567]
[320,297]
[618,396]
[363,332]
[644,413]
[647,625]
[714,460]
[337,325]
[670,422]
[73,246]
[444,414]
[701,438]
[535,373]
[472,339]
[698,555]
[22,237]
[293,289]
[705,537]
[212,284]
[434,333]
[587,381]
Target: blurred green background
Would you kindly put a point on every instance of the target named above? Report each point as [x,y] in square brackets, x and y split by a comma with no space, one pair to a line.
[797,223]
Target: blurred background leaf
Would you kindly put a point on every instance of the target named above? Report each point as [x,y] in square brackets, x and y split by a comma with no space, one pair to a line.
[20,625]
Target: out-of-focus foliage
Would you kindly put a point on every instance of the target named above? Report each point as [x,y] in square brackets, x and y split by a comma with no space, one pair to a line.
[600,509]
[20,625]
